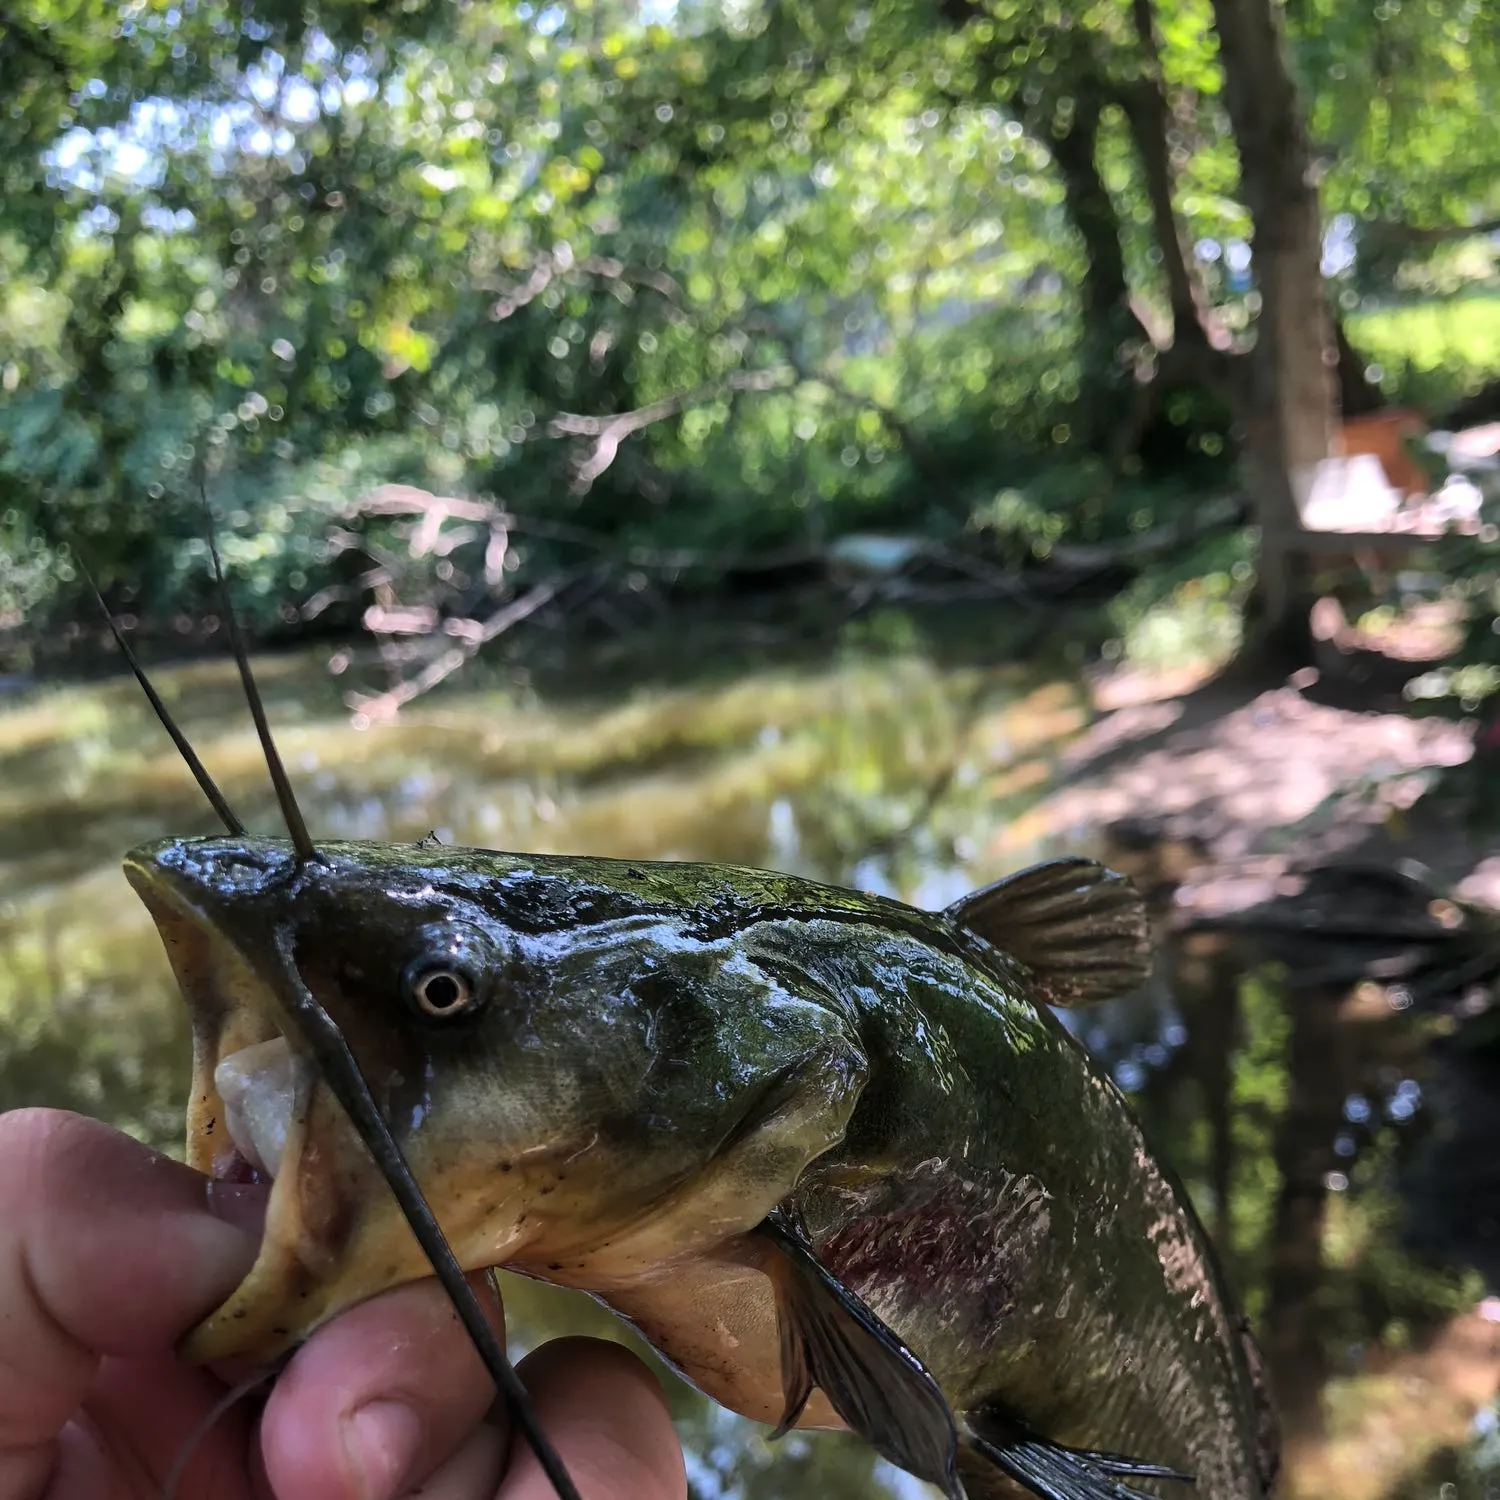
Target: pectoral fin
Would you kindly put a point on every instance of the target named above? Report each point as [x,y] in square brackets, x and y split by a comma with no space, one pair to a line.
[830,1340]
[1081,929]
[1053,1471]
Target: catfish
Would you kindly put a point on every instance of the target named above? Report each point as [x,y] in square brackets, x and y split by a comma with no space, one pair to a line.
[834,1157]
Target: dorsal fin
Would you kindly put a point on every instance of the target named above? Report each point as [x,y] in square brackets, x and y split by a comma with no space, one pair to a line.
[1081,929]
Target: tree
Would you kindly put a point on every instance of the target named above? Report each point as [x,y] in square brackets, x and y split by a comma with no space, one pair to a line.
[733,285]
[1286,395]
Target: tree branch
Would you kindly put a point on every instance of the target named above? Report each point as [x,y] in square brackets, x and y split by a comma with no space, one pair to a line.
[373,708]
[1146,113]
[609,432]
[1415,236]
[547,267]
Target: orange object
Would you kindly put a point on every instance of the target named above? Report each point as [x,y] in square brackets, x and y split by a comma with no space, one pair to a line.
[1386,434]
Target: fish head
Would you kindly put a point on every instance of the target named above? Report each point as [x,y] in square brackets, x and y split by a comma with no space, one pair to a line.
[547,1069]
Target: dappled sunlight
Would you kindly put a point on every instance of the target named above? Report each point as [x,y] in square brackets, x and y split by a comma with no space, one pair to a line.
[1256,775]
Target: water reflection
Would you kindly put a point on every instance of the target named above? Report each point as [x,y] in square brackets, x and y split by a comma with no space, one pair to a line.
[1302,1120]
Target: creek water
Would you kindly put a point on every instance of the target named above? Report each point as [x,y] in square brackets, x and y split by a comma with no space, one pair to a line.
[879,757]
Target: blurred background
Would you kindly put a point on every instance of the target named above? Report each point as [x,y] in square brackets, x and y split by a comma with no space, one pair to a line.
[887,442]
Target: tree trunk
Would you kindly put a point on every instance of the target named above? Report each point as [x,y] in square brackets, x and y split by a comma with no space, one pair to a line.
[1318,1074]
[1285,399]
[1110,326]
[1144,102]
[1357,396]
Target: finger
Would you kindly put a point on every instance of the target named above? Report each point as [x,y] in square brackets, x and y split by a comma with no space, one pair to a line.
[607,1417]
[159,1421]
[106,1248]
[471,1473]
[377,1399]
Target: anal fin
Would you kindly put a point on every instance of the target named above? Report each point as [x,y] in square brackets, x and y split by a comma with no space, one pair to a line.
[832,1341]
[1056,1472]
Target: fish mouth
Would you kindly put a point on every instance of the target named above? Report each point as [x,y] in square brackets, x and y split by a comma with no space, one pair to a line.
[259,1114]
[258,1087]
[250,1086]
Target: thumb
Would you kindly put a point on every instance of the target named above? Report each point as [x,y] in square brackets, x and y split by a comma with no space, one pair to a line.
[106,1248]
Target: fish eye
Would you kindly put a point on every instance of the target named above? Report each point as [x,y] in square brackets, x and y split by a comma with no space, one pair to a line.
[441,992]
[452,972]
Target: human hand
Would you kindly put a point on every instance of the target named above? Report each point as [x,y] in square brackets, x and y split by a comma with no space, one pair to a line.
[109,1253]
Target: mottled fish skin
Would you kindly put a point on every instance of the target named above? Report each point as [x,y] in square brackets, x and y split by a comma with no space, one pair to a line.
[1016,1231]
[958,1162]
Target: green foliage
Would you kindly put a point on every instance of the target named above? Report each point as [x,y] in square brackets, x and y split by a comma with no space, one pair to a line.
[1402,96]
[477,233]
[1258,1098]
[1431,354]
[821,264]
[1190,608]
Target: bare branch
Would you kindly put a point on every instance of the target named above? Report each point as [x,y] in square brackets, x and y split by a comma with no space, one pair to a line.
[1418,235]
[666,287]
[548,267]
[337,592]
[378,707]
[609,432]
[517,297]
[401,619]
[408,500]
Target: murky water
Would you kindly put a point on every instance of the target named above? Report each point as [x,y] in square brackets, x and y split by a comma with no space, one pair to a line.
[875,763]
